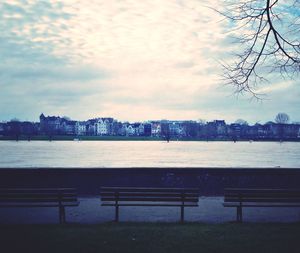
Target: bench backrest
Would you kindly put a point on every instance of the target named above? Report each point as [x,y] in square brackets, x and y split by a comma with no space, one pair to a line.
[134,194]
[262,195]
[36,195]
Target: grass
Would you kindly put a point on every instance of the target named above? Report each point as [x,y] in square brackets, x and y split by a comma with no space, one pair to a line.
[151,237]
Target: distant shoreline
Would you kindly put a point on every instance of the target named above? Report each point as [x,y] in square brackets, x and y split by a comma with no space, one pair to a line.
[132,138]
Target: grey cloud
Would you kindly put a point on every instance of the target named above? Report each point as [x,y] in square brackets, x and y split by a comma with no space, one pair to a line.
[25,52]
[22,30]
[22,62]
[11,9]
[34,11]
[53,73]
[185,64]
[28,99]
[23,59]
[32,76]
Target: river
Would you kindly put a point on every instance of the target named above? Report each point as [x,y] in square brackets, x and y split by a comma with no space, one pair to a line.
[110,154]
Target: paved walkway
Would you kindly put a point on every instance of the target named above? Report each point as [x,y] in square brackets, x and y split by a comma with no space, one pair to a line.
[210,210]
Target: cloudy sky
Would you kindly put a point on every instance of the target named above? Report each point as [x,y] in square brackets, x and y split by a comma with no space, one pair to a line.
[127,59]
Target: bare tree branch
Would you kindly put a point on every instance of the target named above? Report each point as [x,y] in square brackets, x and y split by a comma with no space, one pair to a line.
[269,36]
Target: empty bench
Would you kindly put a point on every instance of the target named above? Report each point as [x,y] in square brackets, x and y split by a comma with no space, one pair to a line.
[40,197]
[241,197]
[131,196]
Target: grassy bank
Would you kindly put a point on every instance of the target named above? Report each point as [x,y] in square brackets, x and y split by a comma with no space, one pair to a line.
[151,237]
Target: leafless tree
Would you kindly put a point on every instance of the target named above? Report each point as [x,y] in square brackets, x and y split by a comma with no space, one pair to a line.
[202,121]
[282,118]
[268,35]
[241,122]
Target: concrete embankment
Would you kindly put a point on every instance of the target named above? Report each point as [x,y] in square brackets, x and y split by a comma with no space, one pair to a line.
[210,181]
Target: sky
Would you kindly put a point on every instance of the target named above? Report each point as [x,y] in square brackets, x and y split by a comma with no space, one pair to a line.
[127,59]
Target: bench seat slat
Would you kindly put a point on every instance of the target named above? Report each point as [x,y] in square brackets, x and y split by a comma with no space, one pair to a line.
[270,200]
[168,199]
[260,195]
[13,195]
[161,194]
[149,204]
[37,191]
[151,201]
[37,200]
[261,205]
[18,204]
[266,191]
[141,189]
[260,190]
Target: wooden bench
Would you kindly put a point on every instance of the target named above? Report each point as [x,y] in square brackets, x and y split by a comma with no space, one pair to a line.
[132,196]
[39,197]
[242,197]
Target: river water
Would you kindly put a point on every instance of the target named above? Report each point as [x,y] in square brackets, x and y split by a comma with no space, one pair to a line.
[148,154]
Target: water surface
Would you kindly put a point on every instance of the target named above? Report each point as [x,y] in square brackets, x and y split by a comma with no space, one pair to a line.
[148,154]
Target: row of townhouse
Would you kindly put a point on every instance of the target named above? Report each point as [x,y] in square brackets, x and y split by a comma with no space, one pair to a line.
[58,125]
[96,126]
[55,125]
[270,130]
[217,129]
[175,128]
[109,126]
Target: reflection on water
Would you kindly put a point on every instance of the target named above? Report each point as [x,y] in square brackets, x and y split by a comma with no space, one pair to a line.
[148,154]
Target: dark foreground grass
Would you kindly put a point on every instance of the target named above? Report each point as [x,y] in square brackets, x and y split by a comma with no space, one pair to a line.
[151,237]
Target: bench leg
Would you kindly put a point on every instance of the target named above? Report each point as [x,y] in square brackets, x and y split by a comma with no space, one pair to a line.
[62,215]
[182,214]
[117,214]
[239,214]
